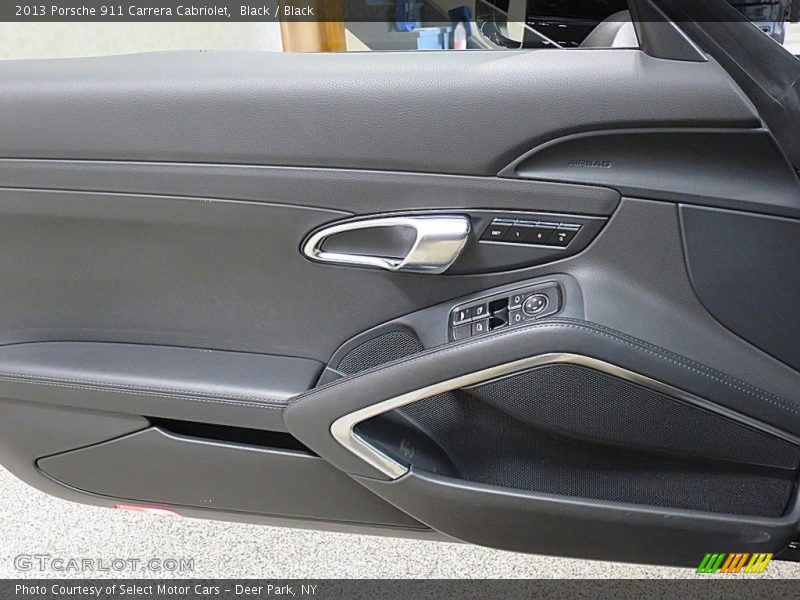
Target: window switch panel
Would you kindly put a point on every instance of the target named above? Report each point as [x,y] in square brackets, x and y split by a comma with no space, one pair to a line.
[499,311]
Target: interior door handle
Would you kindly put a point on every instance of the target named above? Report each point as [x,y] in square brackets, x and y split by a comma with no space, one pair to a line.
[421,244]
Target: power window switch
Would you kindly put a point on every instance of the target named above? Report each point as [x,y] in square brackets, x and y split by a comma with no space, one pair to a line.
[462,332]
[480,327]
[481,311]
[515,316]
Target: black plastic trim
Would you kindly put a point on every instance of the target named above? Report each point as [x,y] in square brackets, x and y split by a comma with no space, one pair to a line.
[745,270]
[736,169]
[565,526]
[145,466]
[659,37]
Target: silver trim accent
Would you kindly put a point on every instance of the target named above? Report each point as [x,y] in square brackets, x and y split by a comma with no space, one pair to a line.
[438,243]
[343,429]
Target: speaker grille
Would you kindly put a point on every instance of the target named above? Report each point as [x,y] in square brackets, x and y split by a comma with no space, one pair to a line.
[379,350]
[584,403]
[569,430]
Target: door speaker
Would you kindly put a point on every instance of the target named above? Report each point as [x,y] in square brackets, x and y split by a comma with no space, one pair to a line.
[383,348]
[572,430]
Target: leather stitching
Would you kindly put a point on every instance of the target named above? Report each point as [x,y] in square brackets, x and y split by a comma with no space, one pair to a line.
[694,366]
[271,404]
[135,386]
[635,343]
[133,391]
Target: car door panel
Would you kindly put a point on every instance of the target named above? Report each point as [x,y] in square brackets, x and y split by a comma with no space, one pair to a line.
[158,381]
[230,477]
[551,524]
[356,191]
[159,316]
[57,435]
[741,169]
[168,107]
[757,285]
[192,272]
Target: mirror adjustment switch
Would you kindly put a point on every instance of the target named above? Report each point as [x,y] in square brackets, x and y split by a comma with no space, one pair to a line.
[535,304]
[496,230]
[564,235]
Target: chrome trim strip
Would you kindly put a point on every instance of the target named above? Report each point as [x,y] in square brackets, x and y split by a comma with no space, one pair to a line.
[343,429]
[438,243]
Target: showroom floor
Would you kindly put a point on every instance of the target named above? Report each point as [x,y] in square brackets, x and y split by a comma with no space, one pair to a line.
[32,523]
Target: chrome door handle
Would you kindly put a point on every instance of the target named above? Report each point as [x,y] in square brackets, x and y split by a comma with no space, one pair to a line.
[438,241]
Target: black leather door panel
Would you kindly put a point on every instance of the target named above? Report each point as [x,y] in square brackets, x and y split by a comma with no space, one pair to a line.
[745,270]
[155,293]
[347,110]
[146,465]
[680,449]
[157,381]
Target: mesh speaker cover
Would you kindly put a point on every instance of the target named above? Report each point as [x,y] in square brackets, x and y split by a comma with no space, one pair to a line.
[379,350]
[574,431]
[587,404]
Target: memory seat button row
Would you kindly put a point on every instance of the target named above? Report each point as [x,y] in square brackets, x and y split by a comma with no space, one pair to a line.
[541,233]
